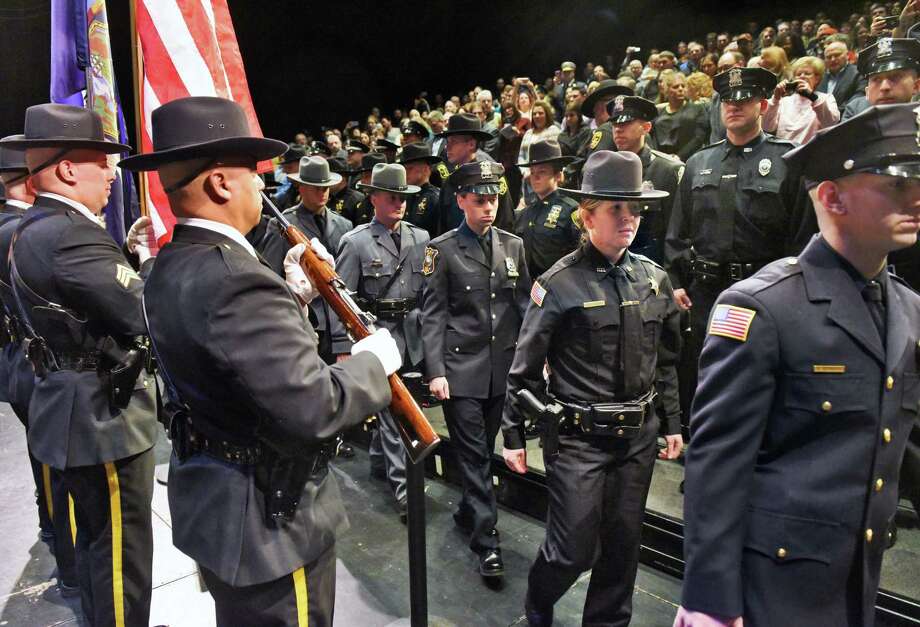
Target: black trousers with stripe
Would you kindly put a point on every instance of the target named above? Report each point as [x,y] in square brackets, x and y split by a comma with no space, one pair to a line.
[304,597]
[114,546]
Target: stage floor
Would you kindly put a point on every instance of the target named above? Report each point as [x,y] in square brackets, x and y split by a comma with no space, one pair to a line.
[372,578]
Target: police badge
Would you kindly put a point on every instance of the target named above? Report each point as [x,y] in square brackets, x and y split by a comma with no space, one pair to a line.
[512,269]
[485,169]
[502,186]
[431,254]
[764,167]
[618,104]
[884,47]
[653,284]
[422,205]
[553,217]
[734,77]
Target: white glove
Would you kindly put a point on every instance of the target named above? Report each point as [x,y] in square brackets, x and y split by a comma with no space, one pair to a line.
[140,239]
[384,347]
[294,275]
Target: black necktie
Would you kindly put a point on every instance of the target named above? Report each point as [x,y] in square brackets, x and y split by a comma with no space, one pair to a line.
[728,196]
[397,239]
[630,333]
[872,294]
[485,242]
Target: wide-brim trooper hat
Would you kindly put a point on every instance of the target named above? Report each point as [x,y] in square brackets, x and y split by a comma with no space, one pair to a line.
[607,88]
[315,171]
[12,159]
[546,151]
[389,177]
[419,151]
[465,124]
[609,175]
[370,160]
[63,126]
[198,127]
[884,139]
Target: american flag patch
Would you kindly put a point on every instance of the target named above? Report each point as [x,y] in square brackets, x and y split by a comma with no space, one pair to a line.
[537,294]
[731,321]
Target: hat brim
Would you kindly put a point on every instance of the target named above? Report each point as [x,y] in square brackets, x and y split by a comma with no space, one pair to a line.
[893,64]
[109,148]
[563,160]
[430,159]
[614,194]
[910,169]
[259,148]
[487,188]
[477,135]
[408,191]
[14,168]
[334,179]
[743,93]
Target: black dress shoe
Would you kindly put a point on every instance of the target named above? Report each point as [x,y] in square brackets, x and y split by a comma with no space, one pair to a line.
[536,617]
[490,563]
[68,592]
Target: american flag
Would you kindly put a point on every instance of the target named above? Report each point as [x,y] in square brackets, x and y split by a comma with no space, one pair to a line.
[731,321]
[188,48]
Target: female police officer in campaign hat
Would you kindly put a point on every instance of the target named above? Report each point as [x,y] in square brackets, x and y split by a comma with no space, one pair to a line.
[604,321]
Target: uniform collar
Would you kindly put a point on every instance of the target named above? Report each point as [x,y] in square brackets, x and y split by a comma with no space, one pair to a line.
[746,148]
[465,229]
[601,264]
[79,206]
[219,227]
[645,155]
[856,275]
[18,205]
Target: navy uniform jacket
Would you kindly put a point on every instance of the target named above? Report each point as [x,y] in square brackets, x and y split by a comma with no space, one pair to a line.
[69,260]
[346,202]
[424,209]
[366,261]
[601,139]
[275,247]
[450,213]
[547,230]
[573,323]
[16,374]
[664,172]
[473,308]
[765,222]
[238,348]
[797,435]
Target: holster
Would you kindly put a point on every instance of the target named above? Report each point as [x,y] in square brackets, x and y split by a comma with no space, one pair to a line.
[120,369]
[548,415]
[283,480]
[36,351]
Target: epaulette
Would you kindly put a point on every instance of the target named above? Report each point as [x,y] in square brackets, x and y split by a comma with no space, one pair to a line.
[358,229]
[778,140]
[443,237]
[771,274]
[564,262]
[508,233]
[411,226]
[645,259]
[721,141]
[672,158]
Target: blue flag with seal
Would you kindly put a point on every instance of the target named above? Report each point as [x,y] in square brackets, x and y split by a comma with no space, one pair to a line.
[82,74]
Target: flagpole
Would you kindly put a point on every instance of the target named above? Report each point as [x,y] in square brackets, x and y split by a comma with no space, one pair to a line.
[137,66]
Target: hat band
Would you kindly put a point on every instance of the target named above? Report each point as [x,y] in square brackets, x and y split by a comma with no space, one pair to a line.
[52,159]
[612,192]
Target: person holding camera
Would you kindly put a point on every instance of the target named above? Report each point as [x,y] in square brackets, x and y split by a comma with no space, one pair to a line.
[796,111]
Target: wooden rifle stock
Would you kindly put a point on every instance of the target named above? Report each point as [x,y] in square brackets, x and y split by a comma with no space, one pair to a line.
[417,434]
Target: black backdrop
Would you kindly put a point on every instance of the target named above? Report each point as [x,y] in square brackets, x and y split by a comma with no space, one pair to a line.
[313,63]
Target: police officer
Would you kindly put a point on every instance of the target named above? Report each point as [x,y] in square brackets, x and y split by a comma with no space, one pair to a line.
[735,208]
[422,209]
[632,117]
[892,69]
[381,263]
[604,321]
[364,210]
[17,379]
[413,132]
[462,136]
[355,149]
[386,148]
[343,199]
[313,217]
[807,395]
[92,413]
[247,469]
[287,196]
[546,226]
[474,300]
[595,106]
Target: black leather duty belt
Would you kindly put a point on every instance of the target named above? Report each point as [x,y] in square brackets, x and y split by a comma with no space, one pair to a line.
[393,308]
[618,420]
[724,272]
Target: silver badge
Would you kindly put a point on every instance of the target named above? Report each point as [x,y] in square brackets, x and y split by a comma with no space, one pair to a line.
[618,104]
[734,77]
[485,169]
[884,47]
[764,167]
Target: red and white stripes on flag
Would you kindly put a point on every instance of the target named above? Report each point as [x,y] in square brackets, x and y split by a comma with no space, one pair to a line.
[189,49]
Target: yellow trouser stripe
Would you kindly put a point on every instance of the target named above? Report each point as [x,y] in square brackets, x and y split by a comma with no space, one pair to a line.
[111,475]
[46,482]
[73,520]
[303,600]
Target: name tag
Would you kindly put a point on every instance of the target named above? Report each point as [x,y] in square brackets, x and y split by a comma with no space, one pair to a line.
[829,368]
[594,303]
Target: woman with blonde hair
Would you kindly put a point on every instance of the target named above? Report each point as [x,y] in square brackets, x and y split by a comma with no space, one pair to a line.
[681,126]
[542,126]
[796,111]
[699,88]
[774,59]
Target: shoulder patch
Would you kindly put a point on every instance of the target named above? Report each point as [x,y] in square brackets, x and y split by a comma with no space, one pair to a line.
[731,321]
[537,294]
[596,139]
[124,275]
[431,255]
[502,186]
[443,171]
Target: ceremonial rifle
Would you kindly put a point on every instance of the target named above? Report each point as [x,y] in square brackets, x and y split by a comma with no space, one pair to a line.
[416,432]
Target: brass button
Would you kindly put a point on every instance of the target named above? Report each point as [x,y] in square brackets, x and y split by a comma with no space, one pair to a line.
[493,294]
[889,383]
[493,316]
[879,484]
[621,417]
[868,535]
[456,349]
[468,288]
[826,406]
[619,432]
[492,275]
[886,435]
[781,553]
[493,338]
